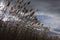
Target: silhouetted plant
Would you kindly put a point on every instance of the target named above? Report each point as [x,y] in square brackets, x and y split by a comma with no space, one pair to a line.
[25,27]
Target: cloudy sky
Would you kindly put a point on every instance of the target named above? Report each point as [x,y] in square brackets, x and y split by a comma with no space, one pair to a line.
[49,13]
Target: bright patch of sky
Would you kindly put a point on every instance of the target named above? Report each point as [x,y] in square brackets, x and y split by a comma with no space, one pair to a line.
[50,20]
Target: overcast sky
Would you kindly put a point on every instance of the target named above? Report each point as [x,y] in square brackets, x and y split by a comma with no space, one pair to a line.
[49,13]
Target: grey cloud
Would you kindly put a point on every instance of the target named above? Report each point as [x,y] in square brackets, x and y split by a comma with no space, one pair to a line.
[50,8]
[47,6]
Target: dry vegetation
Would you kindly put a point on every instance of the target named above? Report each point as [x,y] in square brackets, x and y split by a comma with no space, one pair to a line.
[26,26]
[12,32]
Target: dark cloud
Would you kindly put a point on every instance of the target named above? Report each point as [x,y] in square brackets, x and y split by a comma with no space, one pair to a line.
[47,5]
[49,13]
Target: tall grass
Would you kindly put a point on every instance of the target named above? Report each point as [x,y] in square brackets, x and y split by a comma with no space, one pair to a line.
[11,32]
[17,33]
